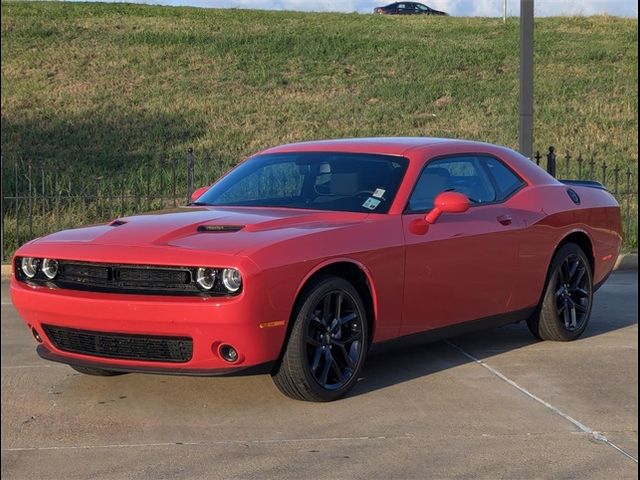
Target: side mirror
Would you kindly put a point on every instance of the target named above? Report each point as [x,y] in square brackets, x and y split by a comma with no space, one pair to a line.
[198,193]
[447,202]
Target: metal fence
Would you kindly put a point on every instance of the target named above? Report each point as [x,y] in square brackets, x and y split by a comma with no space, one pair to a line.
[40,196]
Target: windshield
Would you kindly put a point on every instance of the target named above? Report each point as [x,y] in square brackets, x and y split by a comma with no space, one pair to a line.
[350,182]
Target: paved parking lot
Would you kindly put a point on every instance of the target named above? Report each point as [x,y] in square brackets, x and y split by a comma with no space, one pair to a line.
[490,405]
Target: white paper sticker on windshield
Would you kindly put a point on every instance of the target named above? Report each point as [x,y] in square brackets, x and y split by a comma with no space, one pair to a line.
[379,193]
[371,203]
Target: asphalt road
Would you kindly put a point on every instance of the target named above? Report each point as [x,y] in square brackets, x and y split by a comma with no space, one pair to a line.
[491,405]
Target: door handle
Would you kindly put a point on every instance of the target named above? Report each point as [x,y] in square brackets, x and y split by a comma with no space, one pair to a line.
[505,219]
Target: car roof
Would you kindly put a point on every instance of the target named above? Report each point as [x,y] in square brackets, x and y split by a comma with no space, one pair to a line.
[380,145]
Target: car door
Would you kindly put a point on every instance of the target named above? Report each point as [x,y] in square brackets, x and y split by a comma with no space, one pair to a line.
[402,9]
[463,268]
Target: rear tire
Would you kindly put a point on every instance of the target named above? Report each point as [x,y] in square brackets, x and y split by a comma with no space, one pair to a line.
[96,372]
[565,310]
[327,345]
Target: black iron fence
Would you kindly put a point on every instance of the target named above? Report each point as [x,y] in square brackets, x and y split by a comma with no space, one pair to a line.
[40,197]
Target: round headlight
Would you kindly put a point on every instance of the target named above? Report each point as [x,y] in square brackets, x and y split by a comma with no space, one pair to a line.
[206,278]
[29,266]
[231,279]
[50,268]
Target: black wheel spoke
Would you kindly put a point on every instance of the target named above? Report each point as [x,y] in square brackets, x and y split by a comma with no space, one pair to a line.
[324,376]
[352,338]
[581,292]
[318,320]
[567,317]
[316,359]
[578,278]
[574,317]
[347,358]
[326,310]
[580,307]
[348,318]
[338,311]
[337,370]
[572,270]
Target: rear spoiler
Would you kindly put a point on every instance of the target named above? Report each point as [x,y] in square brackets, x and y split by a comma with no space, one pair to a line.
[584,183]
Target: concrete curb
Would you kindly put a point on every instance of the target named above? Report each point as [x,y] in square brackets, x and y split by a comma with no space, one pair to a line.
[626,261]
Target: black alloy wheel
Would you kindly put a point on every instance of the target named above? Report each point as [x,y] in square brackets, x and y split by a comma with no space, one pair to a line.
[334,340]
[573,292]
[565,308]
[328,342]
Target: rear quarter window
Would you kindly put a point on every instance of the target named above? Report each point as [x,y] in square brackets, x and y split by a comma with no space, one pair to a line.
[507,182]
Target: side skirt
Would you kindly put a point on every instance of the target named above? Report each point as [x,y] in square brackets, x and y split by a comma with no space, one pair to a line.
[437,334]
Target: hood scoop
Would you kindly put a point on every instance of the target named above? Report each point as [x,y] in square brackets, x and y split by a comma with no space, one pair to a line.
[117,223]
[219,228]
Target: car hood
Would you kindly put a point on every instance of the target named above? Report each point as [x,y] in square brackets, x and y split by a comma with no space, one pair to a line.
[229,230]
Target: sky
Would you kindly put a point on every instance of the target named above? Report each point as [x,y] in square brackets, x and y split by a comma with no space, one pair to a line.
[480,8]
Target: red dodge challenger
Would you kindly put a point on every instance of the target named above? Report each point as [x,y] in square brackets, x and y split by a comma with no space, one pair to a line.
[304,256]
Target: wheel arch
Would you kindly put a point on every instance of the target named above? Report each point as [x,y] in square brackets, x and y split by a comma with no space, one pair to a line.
[584,241]
[352,271]
[578,237]
[356,274]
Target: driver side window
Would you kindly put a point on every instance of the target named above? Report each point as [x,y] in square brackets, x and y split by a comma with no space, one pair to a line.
[462,174]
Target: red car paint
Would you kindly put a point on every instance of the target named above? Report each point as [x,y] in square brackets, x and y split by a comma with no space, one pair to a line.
[487,261]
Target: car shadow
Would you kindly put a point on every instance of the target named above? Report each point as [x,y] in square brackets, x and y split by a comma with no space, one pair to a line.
[403,361]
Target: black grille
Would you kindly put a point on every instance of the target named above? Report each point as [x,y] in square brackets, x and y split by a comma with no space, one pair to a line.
[115,345]
[126,278]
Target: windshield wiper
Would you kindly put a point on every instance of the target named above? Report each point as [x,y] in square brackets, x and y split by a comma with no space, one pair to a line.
[198,204]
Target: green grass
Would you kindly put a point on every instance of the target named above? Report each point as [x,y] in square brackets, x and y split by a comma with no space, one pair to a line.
[111,83]
[105,87]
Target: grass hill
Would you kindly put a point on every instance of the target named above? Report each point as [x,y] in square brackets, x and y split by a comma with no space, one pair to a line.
[112,84]
[103,91]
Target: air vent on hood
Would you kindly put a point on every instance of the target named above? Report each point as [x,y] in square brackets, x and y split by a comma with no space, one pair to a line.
[117,223]
[220,228]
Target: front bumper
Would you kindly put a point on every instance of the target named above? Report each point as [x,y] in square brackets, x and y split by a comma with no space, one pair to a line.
[208,321]
[261,369]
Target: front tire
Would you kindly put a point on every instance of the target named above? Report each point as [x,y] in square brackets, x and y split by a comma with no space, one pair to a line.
[328,342]
[96,372]
[565,309]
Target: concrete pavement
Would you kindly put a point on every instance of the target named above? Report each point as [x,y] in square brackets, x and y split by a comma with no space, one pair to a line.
[495,404]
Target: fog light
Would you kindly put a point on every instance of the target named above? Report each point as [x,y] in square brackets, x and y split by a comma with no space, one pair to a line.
[50,268]
[231,279]
[228,353]
[36,335]
[29,266]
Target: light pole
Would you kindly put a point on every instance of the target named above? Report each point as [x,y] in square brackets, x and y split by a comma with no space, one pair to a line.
[526,78]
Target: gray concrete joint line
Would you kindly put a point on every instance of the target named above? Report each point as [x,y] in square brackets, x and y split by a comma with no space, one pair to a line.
[597,436]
